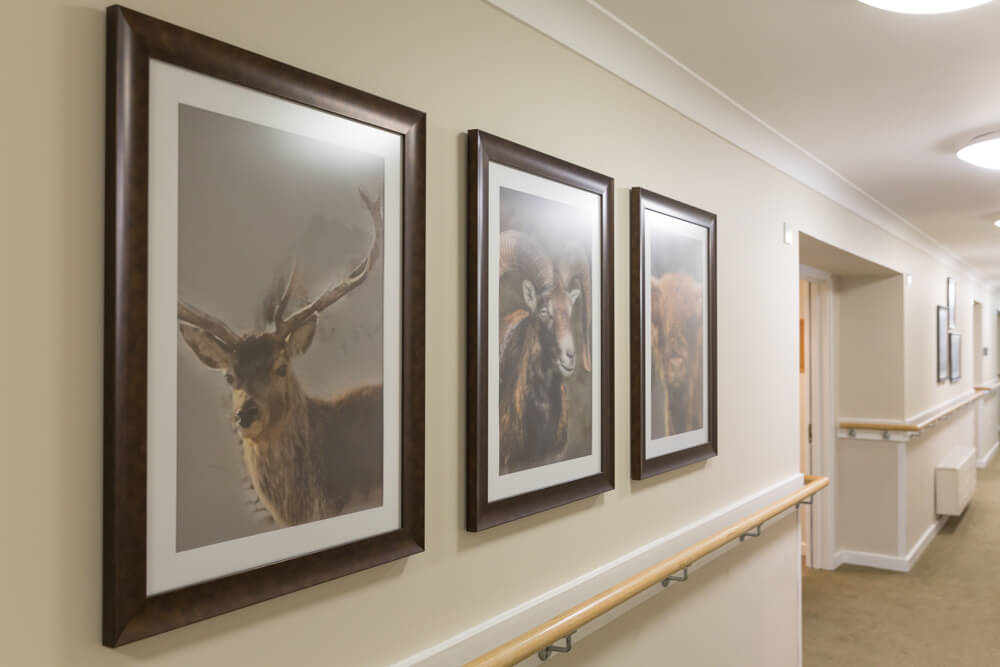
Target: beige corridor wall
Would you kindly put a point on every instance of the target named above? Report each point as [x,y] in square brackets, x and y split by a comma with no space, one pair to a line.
[869,346]
[468,65]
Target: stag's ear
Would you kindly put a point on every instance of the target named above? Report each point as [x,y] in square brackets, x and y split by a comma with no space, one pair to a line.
[530,298]
[573,295]
[299,340]
[210,350]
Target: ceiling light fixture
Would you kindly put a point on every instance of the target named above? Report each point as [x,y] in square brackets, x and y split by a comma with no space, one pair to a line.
[997,223]
[983,151]
[924,6]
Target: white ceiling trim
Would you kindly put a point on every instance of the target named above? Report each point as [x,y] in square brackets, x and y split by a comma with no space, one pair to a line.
[595,33]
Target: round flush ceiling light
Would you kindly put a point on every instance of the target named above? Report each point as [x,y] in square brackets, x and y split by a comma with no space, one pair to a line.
[924,6]
[997,223]
[983,151]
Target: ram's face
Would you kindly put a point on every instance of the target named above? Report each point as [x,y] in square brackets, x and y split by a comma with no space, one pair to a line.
[554,312]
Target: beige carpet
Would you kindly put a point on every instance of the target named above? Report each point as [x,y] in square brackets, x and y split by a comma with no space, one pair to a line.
[944,613]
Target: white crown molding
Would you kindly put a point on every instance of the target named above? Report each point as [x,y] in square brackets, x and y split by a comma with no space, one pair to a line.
[587,28]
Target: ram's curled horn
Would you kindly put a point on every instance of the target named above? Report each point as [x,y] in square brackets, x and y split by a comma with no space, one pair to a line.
[520,252]
[574,268]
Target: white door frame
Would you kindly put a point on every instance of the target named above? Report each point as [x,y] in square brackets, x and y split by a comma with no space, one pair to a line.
[823,450]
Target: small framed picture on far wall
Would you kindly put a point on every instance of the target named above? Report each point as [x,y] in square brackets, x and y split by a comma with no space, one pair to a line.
[955,356]
[944,371]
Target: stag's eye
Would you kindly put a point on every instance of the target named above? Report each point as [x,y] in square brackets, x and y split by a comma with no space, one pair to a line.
[229,378]
[281,371]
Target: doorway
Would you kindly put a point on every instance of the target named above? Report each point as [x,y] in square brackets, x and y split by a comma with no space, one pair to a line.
[805,413]
[816,411]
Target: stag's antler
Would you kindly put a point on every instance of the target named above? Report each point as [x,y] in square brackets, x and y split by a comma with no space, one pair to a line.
[191,315]
[335,292]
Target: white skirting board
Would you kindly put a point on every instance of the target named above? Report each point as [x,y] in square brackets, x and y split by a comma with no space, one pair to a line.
[483,637]
[988,456]
[887,562]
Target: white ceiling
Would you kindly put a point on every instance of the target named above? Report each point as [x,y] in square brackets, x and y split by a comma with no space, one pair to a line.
[884,99]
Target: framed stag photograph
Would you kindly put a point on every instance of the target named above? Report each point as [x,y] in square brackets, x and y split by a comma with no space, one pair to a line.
[943,369]
[955,356]
[540,400]
[264,329]
[673,358]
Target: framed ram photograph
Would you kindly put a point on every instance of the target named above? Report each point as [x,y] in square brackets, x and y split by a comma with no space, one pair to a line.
[955,356]
[943,350]
[673,346]
[540,401]
[264,339]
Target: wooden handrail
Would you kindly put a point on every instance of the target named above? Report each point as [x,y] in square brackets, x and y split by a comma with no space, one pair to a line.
[921,425]
[551,631]
[989,387]
[875,426]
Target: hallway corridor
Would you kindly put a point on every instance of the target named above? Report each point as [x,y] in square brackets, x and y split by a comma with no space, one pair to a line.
[944,613]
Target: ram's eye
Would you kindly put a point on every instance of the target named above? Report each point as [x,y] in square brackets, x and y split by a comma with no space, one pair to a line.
[229,378]
[281,371]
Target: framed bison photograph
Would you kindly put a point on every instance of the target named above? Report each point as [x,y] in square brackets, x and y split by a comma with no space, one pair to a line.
[673,358]
[540,400]
[264,338]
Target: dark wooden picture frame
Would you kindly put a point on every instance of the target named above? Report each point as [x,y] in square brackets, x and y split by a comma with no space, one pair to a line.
[642,200]
[943,348]
[133,40]
[483,150]
[955,356]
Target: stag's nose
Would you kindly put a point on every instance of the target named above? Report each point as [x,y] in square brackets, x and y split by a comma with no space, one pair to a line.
[247,414]
[570,354]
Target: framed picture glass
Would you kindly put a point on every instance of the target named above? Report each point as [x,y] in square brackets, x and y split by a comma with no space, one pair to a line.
[952,303]
[264,329]
[540,422]
[955,356]
[673,347]
[943,371]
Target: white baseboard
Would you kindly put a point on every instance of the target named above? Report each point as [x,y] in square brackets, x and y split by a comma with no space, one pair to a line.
[924,541]
[985,459]
[868,559]
[483,637]
[886,561]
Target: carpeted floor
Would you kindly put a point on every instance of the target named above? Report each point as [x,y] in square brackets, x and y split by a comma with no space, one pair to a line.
[944,613]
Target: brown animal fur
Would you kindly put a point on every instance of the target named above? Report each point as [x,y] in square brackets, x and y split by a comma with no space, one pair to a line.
[533,414]
[676,307]
[325,460]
